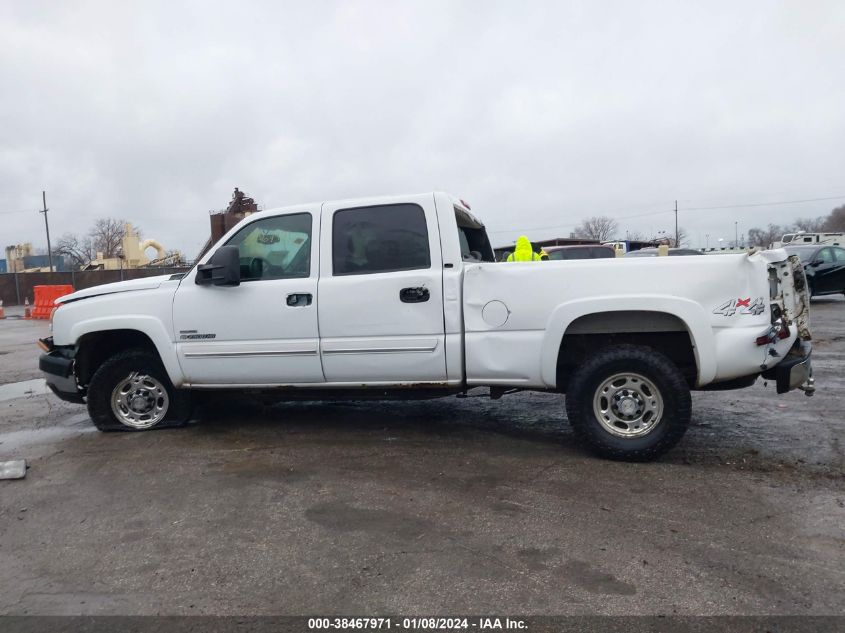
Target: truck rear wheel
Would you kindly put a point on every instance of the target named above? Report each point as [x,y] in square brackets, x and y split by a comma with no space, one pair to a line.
[628,402]
[131,392]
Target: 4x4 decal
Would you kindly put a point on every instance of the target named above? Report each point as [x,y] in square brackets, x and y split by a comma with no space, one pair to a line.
[745,306]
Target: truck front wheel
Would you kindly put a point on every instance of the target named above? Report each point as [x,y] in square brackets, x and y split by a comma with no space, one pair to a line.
[628,402]
[131,392]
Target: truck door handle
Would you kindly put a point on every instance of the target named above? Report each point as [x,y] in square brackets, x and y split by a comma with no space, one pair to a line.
[414,295]
[299,300]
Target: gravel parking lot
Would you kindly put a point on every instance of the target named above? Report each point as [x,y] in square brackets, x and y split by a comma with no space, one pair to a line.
[454,505]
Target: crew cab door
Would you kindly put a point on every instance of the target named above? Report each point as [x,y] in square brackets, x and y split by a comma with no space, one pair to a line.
[381,293]
[264,331]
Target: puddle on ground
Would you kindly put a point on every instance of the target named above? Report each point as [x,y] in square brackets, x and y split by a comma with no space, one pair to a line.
[74,425]
[24,389]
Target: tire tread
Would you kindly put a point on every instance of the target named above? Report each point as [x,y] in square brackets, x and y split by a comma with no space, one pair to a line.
[116,366]
[587,429]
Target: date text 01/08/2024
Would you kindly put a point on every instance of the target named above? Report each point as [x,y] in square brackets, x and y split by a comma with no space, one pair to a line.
[417,623]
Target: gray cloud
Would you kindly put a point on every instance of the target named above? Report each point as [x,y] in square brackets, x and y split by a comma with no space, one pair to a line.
[538,114]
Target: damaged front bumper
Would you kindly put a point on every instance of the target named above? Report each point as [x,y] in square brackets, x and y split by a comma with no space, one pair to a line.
[795,371]
[57,365]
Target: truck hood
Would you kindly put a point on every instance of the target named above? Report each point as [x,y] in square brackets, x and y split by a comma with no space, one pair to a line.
[146,283]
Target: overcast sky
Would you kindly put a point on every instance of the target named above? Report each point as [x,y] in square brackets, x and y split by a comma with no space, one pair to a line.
[538,114]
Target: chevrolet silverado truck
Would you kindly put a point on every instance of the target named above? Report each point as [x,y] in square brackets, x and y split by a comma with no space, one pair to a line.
[401,297]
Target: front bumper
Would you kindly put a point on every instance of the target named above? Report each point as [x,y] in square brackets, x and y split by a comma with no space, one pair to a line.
[57,365]
[795,371]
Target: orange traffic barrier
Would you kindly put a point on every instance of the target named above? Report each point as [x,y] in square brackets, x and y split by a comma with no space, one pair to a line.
[2,311]
[27,312]
[45,299]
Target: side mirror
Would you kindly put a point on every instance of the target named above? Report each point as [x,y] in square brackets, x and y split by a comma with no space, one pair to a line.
[223,269]
[816,263]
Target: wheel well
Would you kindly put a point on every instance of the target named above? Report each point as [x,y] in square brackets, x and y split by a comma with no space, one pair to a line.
[661,331]
[95,347]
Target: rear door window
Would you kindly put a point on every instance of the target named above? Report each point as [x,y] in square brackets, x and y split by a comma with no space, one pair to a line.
[379,239]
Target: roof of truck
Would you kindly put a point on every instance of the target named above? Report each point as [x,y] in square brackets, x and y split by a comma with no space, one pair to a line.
[370,200]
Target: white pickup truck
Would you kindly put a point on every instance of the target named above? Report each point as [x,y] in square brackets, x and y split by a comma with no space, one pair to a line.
[401,296]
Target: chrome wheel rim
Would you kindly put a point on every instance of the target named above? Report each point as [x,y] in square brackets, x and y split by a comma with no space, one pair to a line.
[140,401]
[628,405]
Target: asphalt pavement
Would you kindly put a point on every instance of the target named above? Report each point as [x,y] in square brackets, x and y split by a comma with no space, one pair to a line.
[442,506]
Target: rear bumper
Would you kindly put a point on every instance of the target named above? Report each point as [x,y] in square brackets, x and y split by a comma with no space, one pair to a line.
[57,365]
[795,371]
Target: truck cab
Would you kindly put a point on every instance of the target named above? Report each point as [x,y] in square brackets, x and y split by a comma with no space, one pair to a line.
[366,308]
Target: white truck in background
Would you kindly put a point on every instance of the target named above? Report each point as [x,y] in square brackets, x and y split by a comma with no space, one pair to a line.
[401,295]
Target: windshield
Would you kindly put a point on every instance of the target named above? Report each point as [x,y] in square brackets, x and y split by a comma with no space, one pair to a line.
[786,239]
[805,253]
[555,255]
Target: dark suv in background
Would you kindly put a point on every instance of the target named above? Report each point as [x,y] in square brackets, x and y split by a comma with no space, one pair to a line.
[653,252]
[579,251]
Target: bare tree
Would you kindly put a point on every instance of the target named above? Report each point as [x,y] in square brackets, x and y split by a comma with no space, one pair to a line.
[764,237]
[107,236]
[682,237]
[80,251]
[810,225]
[597,227]
[836,220]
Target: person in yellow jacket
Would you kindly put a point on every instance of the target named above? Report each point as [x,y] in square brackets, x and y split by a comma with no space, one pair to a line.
[523,251]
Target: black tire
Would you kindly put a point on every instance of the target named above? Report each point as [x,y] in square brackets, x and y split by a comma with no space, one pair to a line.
[116,370]
[648,363]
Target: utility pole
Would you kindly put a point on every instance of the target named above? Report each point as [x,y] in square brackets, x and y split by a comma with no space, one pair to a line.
[47,226]
[736,234]
[676,225]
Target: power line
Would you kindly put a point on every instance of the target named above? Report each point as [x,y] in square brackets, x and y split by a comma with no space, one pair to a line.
[11,212]
[672,210]
[732,206]
[761,204]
